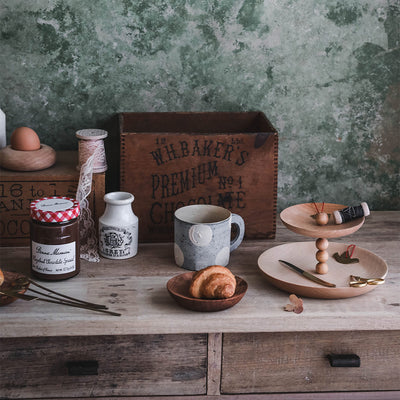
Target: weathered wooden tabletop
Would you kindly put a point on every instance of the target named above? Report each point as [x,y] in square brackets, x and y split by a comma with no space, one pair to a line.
[137,289]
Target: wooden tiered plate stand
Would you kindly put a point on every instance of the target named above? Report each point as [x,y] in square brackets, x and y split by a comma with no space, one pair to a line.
[300,218]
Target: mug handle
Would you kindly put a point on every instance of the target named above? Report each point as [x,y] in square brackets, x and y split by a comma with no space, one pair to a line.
[239,222]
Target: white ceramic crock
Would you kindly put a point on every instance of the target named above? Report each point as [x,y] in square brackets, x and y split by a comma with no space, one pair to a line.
[118,227]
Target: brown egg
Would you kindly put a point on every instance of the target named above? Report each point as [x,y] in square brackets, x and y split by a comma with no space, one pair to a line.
[25,139]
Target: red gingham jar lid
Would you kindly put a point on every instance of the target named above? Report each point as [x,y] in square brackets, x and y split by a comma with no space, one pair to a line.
[54,209]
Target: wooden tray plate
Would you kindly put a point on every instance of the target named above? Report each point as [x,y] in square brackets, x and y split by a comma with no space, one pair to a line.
[9,278]
[302,254]
[178,287]
[299,219]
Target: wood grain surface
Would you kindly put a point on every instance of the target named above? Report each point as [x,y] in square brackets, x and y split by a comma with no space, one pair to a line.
[18,189]
[300,218]
[127,365]
[34,160]
[252,351]
[169,160]
[297,362]
[302,254]
[137,289]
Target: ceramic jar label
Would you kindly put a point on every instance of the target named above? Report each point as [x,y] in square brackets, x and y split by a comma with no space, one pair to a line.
[53,259]
[117,242]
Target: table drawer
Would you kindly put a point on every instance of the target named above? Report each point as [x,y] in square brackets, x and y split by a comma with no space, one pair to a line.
[298,362]
[103,366]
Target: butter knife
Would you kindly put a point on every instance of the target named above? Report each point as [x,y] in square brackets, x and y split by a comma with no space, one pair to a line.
[307,275]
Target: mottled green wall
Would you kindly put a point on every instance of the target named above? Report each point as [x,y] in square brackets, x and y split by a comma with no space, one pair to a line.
[326,73]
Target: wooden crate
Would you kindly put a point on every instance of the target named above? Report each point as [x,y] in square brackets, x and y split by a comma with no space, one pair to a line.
[169,160]
[18,189]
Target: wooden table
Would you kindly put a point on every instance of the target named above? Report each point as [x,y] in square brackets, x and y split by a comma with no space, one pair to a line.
[156,348]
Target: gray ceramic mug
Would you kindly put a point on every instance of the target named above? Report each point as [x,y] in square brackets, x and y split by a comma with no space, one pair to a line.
[203,236]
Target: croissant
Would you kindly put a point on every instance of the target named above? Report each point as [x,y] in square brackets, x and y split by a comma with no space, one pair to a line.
[214,282]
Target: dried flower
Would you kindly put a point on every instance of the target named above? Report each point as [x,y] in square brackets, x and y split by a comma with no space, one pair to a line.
[296,304]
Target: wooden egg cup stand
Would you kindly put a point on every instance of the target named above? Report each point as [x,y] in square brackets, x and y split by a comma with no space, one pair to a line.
[300,219]
[33,160]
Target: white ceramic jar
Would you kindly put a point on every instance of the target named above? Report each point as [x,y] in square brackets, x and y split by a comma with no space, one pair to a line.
[118,227]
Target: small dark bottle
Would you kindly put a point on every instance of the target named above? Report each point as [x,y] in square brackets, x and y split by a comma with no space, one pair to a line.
[55,251]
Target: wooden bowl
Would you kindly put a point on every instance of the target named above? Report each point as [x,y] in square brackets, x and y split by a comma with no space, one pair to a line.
[178,287]
[9,279]
[34,160]
[299,219]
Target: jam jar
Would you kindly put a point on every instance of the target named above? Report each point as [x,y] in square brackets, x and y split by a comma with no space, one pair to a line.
[54,232]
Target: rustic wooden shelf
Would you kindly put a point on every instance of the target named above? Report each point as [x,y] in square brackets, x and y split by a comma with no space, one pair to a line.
[137,289]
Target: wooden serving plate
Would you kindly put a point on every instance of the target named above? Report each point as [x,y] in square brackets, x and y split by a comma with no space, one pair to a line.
[178,287]
[9,279]
[298,218]
[301,255]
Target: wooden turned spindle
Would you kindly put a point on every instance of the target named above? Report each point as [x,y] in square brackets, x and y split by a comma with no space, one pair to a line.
[322,218]
[322,255]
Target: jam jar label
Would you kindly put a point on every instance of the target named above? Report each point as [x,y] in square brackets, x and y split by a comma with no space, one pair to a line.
[53,259]
[118,242]
[54,204]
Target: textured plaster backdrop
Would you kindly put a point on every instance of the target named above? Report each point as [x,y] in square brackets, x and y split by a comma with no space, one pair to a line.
[326,73]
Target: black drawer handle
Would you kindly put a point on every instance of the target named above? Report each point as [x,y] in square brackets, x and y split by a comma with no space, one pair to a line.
[80,368]
[344,360]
